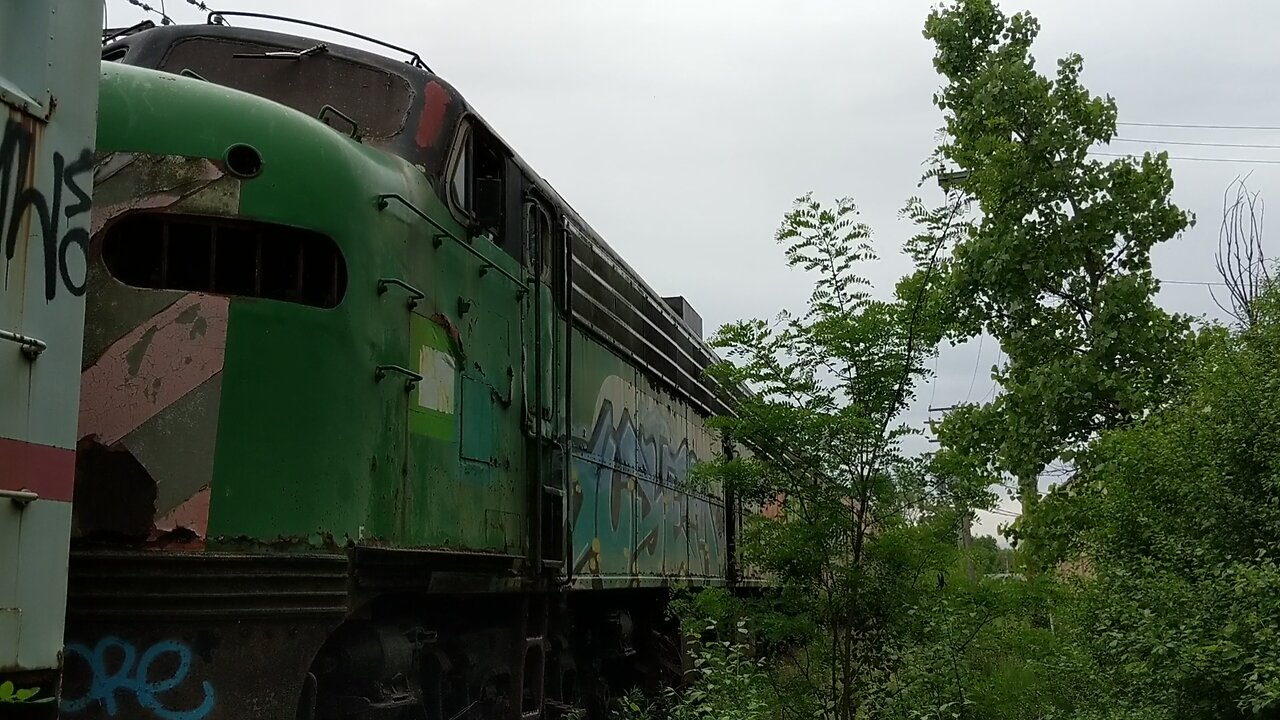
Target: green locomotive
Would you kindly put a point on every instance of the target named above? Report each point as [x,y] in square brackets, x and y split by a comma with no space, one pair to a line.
[372,424]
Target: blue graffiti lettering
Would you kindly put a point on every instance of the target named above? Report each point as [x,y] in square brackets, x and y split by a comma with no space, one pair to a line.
[629,494]
[111,663]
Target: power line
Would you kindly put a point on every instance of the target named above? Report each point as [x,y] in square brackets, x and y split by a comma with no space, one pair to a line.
[1196,144]
[1206,283]
[1196,159]
[164,18]
[991,393]
[976,363]
[1201,127]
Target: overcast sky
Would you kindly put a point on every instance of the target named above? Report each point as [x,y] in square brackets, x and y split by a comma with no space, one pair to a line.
[681,131]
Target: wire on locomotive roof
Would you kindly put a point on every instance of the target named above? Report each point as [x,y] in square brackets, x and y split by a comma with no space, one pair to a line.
[164,18]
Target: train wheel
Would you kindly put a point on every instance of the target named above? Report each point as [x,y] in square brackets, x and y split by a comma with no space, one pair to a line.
[369,671]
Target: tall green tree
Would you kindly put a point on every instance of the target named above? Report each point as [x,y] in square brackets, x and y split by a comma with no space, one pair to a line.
[863,529]
[1057,267]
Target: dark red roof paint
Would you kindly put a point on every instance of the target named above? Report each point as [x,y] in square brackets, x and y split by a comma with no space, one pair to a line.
[49,472]
[434,103]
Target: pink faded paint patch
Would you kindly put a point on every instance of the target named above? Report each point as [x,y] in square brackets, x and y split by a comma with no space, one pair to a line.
[47,471]
[191,515]
[153,367]
[147,202]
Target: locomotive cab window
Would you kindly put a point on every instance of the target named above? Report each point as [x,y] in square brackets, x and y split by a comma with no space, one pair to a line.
[164,251]
[477,183]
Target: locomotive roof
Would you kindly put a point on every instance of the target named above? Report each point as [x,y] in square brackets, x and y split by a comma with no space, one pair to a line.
[148,46]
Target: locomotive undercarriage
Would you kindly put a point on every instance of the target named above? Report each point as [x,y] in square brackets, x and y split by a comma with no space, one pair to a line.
[209,635]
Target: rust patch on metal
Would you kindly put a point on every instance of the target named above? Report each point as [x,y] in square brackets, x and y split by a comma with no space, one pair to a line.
[153,366]
[192,515]
[455,336]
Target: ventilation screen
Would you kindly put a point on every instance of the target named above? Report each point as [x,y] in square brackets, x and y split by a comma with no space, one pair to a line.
[162,251]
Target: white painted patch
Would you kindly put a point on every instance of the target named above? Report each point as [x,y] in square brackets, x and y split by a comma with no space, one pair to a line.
[435,392]
[619,392]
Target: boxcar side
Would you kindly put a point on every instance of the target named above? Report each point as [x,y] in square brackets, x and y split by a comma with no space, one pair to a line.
[48,92]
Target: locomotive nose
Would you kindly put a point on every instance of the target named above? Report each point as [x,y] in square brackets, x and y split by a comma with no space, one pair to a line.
[170,256]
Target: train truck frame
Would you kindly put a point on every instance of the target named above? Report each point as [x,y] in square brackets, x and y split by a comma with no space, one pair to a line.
[372,423]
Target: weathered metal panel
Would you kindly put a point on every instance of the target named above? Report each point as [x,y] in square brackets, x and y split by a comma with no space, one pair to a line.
[479,422]
[48,97]
[196,636]
[41,581]
[633,520]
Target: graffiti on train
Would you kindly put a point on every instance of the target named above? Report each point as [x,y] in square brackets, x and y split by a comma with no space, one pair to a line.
[123,681]
[631,513]
[58,208]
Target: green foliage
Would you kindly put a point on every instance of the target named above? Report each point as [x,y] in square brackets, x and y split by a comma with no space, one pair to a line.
[10,694]
[983,650]
[728,684]
[989,558]
[860,525]
[1177,518]
[1058,267]
[874,616]
[1162,599]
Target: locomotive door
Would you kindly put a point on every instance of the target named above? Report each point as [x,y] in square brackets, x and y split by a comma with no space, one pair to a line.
[543,372]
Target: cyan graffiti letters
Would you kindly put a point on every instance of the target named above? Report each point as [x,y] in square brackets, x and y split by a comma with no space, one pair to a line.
[18,197]
[630,497]
[117,670]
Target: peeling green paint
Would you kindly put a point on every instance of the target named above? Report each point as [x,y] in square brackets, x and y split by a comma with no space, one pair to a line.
[433,405]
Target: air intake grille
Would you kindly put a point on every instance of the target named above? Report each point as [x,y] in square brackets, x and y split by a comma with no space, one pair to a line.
[164,251]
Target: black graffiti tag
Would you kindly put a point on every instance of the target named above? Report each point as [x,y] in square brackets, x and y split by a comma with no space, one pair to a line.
[18,197]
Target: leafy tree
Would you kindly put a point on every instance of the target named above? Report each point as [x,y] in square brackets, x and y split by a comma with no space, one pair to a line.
[1058,266]
[863,529]
[990,558]
[1177,516]
[975,652]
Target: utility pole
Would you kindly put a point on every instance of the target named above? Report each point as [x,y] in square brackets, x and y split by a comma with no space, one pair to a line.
[966,543]
[965,517]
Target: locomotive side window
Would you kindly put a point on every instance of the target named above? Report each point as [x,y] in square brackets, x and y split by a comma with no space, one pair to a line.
[460,184]
[538,240]
[477,183]
[164,251]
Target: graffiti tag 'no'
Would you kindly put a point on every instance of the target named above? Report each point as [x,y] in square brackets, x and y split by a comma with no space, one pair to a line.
[115,672]
[17,198]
